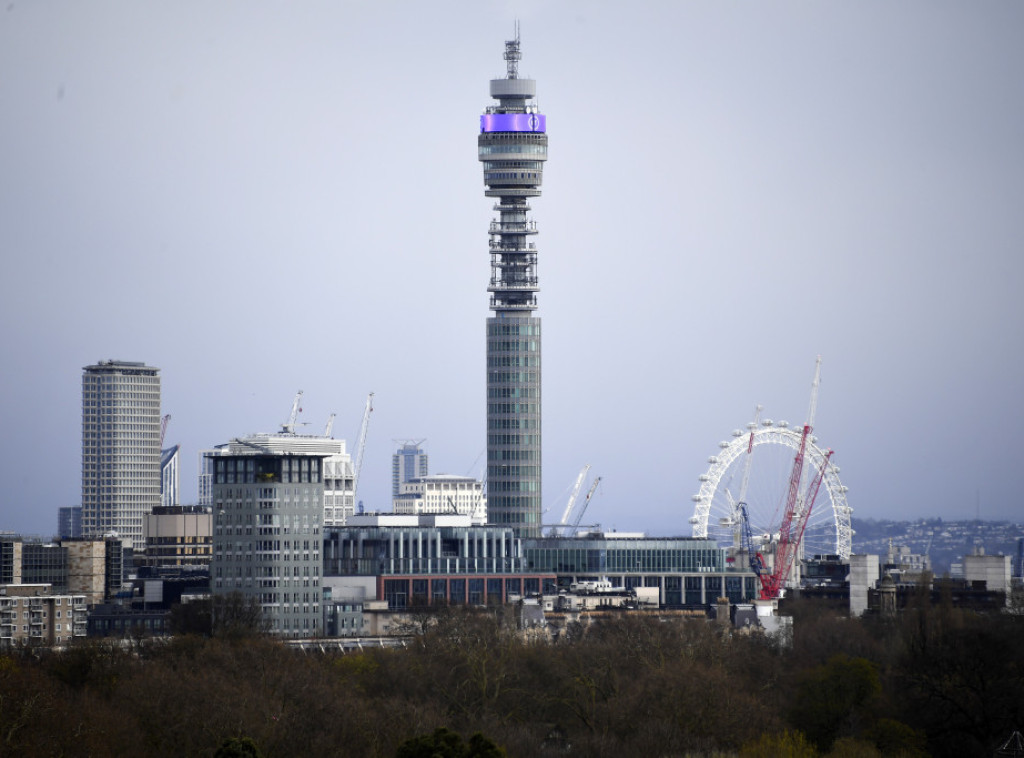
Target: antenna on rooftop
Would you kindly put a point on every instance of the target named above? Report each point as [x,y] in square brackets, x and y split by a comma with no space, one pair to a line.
[512,55]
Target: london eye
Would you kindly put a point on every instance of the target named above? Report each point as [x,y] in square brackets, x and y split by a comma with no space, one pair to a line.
[760,495]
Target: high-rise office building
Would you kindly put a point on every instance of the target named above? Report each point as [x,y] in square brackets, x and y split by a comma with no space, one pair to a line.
[513,146]
[120,448]
[268,510]
[408,462]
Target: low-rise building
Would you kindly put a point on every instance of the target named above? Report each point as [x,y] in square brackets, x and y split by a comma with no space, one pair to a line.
[177,536]
[686,571]
[442,494]
[90,567]
[33,614]
[409,560]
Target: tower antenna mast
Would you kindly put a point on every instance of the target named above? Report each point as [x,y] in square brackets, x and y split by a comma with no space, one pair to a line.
[512,55]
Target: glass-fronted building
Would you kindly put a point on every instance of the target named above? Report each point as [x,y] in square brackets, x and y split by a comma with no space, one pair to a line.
[425,560]
[430,559]
[687,571]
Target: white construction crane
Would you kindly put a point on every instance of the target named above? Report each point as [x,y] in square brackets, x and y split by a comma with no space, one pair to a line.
[583,508]
[330,425]
[361,446]
[556,530]
[739,507]
[163,429]
[289,428]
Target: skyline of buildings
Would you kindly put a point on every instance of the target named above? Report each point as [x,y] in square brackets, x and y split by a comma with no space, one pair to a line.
[375,476]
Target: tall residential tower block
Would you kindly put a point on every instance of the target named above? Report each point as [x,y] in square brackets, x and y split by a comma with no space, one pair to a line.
[120,448]
[513,145]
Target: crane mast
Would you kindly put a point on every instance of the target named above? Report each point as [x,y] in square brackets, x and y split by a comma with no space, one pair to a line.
[771,585]
[289,428]
[361,446]
[739,510]
[163,429]
[583,508]
[572,499]
[798,509]
[754,558]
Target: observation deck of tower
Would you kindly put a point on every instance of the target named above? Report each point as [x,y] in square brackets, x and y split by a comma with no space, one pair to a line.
[513,145]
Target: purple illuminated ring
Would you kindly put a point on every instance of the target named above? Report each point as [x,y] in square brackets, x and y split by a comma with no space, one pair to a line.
[513,122]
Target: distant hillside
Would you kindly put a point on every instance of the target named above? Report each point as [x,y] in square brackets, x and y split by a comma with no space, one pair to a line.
[945,542]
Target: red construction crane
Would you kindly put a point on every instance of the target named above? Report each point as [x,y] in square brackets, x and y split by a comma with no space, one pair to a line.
[798,509]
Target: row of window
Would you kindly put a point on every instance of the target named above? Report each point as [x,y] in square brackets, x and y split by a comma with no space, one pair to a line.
[505,329]
[512,377]
[512,346]
[513,423]
[494,177]
[568,560]
[513,455]
[272,571]
[516,440]
[496,393]
[266,545]
[400,593]
[516,486]
[528,149]
[513,408]
[497,165]
[514,509]
[262,469]
[520,137]
[513,470]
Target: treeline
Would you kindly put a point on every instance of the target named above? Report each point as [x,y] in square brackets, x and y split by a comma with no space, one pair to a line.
[936,681]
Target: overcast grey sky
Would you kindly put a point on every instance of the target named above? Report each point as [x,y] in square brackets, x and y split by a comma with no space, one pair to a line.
[261,197]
